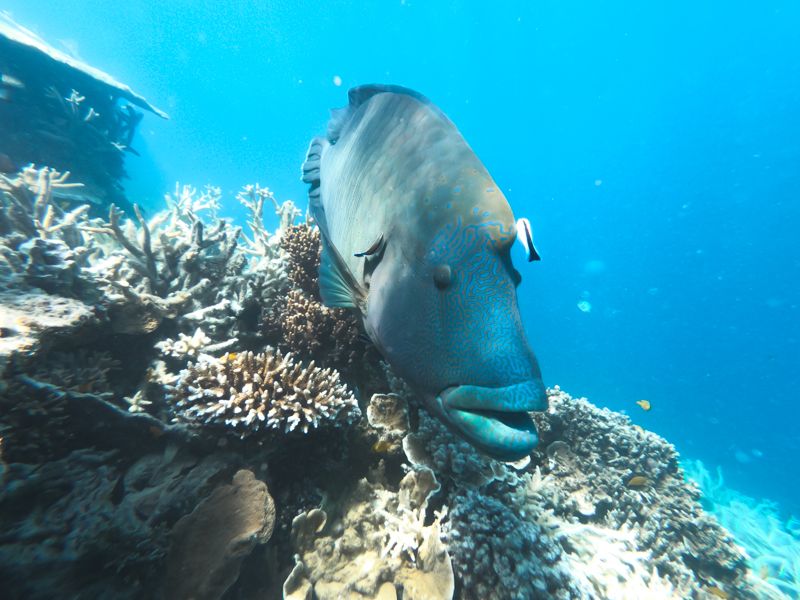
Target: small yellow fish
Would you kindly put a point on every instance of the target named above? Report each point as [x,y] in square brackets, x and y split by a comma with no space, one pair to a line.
[764,572]
[638,481]
[715,591]
[645,404]
[381,446]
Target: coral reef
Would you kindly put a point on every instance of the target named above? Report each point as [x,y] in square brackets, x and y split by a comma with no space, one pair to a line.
[147,363]
[578,511]
[771,542]
[619,475]
[87,526]
[249,392]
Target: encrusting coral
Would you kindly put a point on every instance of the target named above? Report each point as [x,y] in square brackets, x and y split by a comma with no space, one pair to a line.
[249,392]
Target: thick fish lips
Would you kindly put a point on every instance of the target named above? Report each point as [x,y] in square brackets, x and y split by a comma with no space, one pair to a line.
[496,420]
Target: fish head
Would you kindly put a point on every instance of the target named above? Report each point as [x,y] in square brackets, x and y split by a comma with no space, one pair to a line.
[443,310]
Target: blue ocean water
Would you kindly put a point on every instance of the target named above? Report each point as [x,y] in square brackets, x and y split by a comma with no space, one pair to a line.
[655,148]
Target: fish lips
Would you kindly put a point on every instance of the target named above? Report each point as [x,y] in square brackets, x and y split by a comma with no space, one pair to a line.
[496,419]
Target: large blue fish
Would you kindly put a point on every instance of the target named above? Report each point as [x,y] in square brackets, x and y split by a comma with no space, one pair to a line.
[417,236]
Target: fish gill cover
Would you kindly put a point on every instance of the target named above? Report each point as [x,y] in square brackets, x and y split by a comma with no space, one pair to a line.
[188,409]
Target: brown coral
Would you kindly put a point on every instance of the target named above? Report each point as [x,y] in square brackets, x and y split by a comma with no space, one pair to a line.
[301,244]
[330,336]
[250,392]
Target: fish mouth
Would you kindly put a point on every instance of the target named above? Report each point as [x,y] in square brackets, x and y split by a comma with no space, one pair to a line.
[496,419]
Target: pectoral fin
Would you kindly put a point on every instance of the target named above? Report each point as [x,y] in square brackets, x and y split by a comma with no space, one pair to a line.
[337,286]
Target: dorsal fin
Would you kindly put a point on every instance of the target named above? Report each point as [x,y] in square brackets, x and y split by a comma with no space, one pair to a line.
[361,94]
[311,175]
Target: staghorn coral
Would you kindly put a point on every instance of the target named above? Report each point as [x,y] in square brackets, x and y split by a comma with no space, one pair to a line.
[302,246]
[249,392]
[192,346]
[41,242]
[165,267]
[253,197]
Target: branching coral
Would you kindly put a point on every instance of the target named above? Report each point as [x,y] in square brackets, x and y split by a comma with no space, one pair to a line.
[171,259]
[41,241]
[302,247]
[192,346]
[330,336]
[250,392]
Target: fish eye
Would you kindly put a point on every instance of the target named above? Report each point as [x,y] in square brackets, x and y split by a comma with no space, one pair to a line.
[442,276]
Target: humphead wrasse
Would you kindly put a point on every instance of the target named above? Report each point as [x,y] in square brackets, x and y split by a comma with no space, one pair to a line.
[417,236]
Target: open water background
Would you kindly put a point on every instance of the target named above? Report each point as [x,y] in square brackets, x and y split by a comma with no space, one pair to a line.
[655,148]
